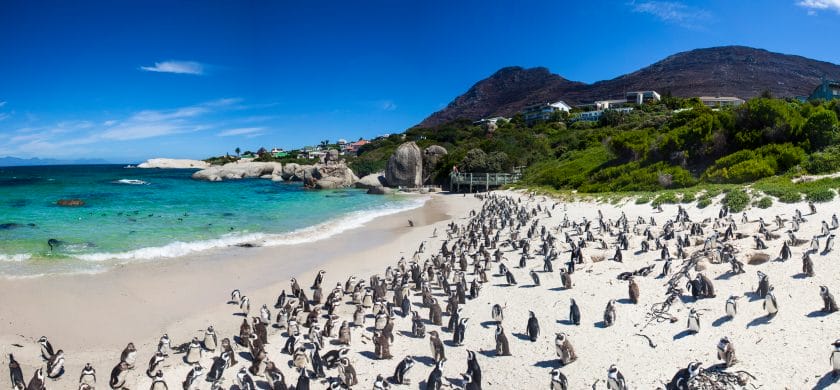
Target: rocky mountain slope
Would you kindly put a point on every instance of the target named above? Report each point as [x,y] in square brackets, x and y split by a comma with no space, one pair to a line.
[724,71]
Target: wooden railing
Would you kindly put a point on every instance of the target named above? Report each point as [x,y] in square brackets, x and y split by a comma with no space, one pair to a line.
[486,180]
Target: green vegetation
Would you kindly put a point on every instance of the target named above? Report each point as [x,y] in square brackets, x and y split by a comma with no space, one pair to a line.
[737,200]
[764,203]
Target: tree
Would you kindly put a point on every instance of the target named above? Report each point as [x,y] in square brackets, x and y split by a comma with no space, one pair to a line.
[821,129]
[474,161]
[237,151]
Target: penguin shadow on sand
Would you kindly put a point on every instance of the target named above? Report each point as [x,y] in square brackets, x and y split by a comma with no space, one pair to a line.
[488,324]
[624,301]
[763,320]
[566,322]
[370,355]
[683,334]
[426,361]
[600,325]
[521,336]
[528,286]
[549,363]
[800,275]
[560,288]
[818,313]
[722,320]
[827,380]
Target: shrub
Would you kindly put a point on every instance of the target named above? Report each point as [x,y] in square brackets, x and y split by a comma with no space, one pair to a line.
[643,199]
[749,165]
[765,202]
[664,198]
[826,161]
[784,195]
[819,195]
[688,197]
[737,200]
[703,203]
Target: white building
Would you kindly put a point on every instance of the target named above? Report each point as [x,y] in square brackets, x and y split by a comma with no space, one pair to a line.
[543,111]
[595,115]
[721,101]
[641,97]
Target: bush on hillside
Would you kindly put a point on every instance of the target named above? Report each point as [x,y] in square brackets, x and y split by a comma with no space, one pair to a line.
[764,202]
[737,200]
[819,195]
[826,161]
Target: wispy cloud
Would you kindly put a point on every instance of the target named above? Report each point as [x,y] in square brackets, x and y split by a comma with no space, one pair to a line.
[2,103]
[179,67]
[673,12]
[387,105]
[249,132]
[813,6]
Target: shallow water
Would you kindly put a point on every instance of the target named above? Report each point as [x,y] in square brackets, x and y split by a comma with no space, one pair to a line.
[135,214]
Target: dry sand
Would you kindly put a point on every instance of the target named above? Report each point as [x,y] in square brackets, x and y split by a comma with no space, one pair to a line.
[93,317]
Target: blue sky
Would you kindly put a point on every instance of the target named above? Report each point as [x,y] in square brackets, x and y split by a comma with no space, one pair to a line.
[130,80]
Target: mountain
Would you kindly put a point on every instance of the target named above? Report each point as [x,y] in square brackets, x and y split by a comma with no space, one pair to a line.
[739,71]
[20,162]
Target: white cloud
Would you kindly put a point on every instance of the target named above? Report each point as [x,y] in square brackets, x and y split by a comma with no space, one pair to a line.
[179,67]
[673,12]
[388,105]
[245,131]
[2,103]
[3,116]
[819,5]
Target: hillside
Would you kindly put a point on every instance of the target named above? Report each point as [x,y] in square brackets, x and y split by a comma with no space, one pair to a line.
[726,71]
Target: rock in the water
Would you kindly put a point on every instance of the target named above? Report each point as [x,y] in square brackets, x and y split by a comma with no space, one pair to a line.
[405,167]
[339,175]
[70,202]
[372,180]
[432,156]
[239,170]
[380,191]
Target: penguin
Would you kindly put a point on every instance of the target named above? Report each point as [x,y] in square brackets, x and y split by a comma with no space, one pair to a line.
[574,313]
[558,380]
[348,373]
[331,358]
[707,287]
[435,380]
[533,327]
[835,359]
[302,382]
[502,346]
[731,306]
[300,359]
[684,375]
[276,377]
[609,313]
[154,364]
[46,348]
[157,382]
[37,381]
[16,374]
[418,328]
[226,347]
[193,354]
[218,367]
[381,384]
[829,244]
[436,346]
[726,352]
[763,284]
[244,380]
[566,279]
[164,344]
[564,349]
[460,330]
[344,335]
[245,305]
[785,253]
[235,296]
[265,314]
[535,277]
[829,305]
[55,366]
[694,321]
[807,265]
[633,290]
[401,370]
[191,380]
[210,339]
[473,370]
[615,380]
[118,374]
[129,355]
[497,313]
[318,279]
[770,303]
[511,281]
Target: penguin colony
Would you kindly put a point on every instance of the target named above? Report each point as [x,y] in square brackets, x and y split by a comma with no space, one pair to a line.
[424,298]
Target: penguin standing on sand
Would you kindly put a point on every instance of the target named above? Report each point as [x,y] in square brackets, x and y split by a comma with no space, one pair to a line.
[191,380]
[302,382]
[770,303]
[435,380]
[684,375]
[829,305]
[785,253]
[763,284]
[218,367]
[731,306]
[235,296]
[402,369]
[497,313]
[118,374]
[558,380]
[829,244]
[55,366]
[37,381]
[609,313]
[807,264]
[16,374]
[533,327]
[436,346]
[210,339]
[157,382]
[46,348]
[835,359]
[535,277]
[726,352]
[460,330]
[574,313]
[566,279]
[244,380]
[694,321]
[129,355]
[615,380]
[193,352]
[502,346]
[511,281]
[633,290]
[154,363]
[564,349]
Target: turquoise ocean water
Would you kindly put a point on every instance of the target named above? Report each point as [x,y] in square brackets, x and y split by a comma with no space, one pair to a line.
[135,214]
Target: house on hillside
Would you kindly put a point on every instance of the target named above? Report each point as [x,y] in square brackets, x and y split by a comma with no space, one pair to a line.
[595,115]
[543,111]
[641,97]
[827,90]
[607,104]
[721,101]
[353,147]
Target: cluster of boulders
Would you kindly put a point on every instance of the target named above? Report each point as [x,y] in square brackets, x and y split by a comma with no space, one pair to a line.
[408,168]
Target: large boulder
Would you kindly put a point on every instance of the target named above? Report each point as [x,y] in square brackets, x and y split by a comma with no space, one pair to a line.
[373,180]
[239,170]
[380,191]
[405,167]
[432,156]
[339,174]
[298,172]
[331,156]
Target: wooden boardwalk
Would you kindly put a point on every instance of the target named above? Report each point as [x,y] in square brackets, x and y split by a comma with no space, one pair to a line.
[486,180]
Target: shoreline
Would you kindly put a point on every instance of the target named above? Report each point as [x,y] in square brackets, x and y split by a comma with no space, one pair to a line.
[93,316]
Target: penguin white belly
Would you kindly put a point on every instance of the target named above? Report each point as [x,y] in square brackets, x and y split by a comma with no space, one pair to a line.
[835,360]
[210,343]
[731,309]
[89,380]
[193,355]
[770,305]
[159,385]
